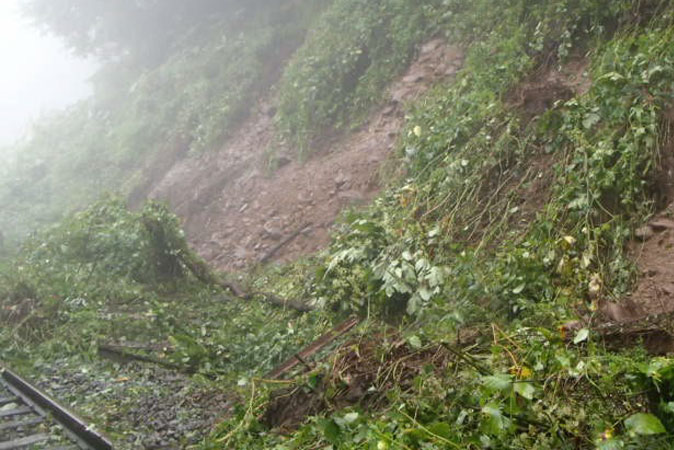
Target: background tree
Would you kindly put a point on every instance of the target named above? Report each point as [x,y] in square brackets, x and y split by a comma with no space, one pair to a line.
[143,28]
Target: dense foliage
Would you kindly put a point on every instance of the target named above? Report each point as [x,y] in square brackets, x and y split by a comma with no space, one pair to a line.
[509,216]
[457,247]
[357,48]
[108,274]
[142,119]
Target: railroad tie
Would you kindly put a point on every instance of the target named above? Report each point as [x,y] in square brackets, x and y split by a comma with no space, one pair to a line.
[24,441]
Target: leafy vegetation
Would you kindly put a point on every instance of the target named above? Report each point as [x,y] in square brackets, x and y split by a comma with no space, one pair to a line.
[509,218]
[357,48]
[446,246]
[107,274]
[144,117]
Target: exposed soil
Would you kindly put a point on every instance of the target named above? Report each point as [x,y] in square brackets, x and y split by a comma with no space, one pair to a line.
[361,375]
[527,189]
[532,196]
[653,247]
[235,213]
[663,183]
[550,84]
[646,316]
[654,293]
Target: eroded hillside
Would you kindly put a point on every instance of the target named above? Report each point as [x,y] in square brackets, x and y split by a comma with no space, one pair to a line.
[237,211]
[468,208]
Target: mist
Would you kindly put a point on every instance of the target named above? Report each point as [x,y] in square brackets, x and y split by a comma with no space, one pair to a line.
[39,75]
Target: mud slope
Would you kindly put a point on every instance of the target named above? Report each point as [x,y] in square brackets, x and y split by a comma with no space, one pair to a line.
[235,213]
[653,247]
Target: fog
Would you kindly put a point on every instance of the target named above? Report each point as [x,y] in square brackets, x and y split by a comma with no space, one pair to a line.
[38,74]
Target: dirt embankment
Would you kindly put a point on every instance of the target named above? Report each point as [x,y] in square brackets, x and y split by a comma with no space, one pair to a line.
[654,254]
[653,247]
[236,214]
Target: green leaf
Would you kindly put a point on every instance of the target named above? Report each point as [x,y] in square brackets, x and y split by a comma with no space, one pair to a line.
[425,293]
[525,390]
[645,424]
[436,277]
[494,422]
[519,289]
[668,407]
[331,431]
[613,76]
[497,383]
[648,75]
[421,265]
[580,202]
[611,444]
[581,336]
[350,417]
[591,120]
[441,429]
[414,341]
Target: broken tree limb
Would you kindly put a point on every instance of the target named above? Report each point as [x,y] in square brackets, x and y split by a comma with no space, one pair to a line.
[265,296]
[205,274]
[135,346]
[652,331]
[285,241]
[119,353]
[315,347]
[283,303]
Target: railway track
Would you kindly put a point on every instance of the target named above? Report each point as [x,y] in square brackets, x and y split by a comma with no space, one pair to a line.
[31,419]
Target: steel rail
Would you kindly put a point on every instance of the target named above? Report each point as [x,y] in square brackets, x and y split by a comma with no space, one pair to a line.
[37,402]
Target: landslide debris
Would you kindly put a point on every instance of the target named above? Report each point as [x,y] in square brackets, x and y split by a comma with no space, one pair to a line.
[235,212]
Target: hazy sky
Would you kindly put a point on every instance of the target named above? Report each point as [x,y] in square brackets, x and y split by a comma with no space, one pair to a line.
[36,73]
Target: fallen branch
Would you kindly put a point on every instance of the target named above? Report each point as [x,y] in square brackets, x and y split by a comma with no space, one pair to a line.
[131,346]
[315,347]
[265,296]
[656,338]
[285,241]
[119,353]
[203,273]
[283,303]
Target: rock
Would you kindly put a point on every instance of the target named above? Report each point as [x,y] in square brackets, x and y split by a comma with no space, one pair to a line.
[283,160]
[414,78]
[304,197]
[273,229]
[661,225]
[431,46]
[341,179]
[644,233]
